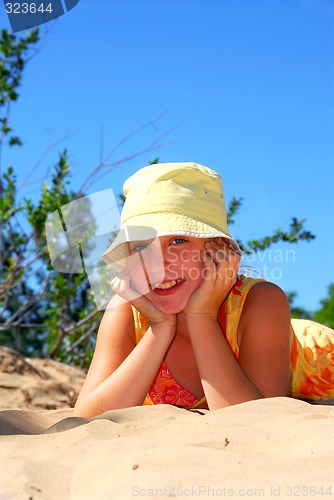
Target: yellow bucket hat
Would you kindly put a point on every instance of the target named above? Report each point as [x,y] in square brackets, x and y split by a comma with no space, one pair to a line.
[171,199]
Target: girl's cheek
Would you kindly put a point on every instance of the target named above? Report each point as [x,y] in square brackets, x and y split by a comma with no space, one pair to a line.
[172,255]
[173,271]
[138,277]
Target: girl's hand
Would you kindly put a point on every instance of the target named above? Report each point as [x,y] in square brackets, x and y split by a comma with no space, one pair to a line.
[123,286]
[221,266]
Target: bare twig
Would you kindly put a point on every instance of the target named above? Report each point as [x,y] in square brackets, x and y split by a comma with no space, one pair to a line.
[71,329]
[107,166]
[51,144]
[80,323]
[25,306]
[46,30]
[83,337]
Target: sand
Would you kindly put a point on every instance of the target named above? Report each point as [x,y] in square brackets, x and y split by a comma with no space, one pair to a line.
[37,384]
[276,447]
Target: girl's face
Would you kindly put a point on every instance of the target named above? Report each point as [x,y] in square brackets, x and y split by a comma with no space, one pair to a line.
[168,270]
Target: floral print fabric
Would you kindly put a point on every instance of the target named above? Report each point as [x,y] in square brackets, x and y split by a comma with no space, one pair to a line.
[165,390]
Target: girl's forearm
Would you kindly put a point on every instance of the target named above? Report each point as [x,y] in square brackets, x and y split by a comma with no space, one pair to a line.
[129,383]
[224,382]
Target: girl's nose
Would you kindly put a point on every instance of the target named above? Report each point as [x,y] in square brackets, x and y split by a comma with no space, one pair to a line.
[154,261]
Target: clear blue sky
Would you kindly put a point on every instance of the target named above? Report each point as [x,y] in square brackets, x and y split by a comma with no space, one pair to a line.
[248,84]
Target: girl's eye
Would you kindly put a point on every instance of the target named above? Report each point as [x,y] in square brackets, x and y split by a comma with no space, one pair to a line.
[139,248]
[178,241]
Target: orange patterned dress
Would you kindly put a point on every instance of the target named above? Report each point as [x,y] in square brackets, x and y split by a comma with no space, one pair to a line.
[165,390]
[312,355]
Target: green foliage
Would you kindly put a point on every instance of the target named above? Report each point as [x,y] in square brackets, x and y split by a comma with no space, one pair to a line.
[14,54]
[42,312]
[325,315]
[297,311]
[53,197]
[233,209]
[295,233]
[16,295]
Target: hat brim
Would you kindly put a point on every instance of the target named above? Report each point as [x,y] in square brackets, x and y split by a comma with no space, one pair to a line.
[119,249]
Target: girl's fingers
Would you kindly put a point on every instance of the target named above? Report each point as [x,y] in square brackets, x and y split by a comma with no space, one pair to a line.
[221,262]
[224,255]
[210,265]
[218,253]
[121,285]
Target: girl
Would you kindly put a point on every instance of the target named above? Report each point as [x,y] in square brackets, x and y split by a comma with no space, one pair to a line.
[183,328]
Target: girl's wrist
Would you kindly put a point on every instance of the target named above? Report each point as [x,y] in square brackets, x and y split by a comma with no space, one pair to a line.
[167,330]
[193,318]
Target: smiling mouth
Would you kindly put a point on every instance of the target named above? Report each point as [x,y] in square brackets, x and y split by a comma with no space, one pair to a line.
[168,284]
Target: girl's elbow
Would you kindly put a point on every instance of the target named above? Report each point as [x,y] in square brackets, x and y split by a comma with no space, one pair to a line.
[85,408]
[81,410]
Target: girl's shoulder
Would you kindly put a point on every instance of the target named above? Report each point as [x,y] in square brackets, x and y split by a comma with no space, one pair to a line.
[252,295]
[246,284]
[239,292]
[245,305]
